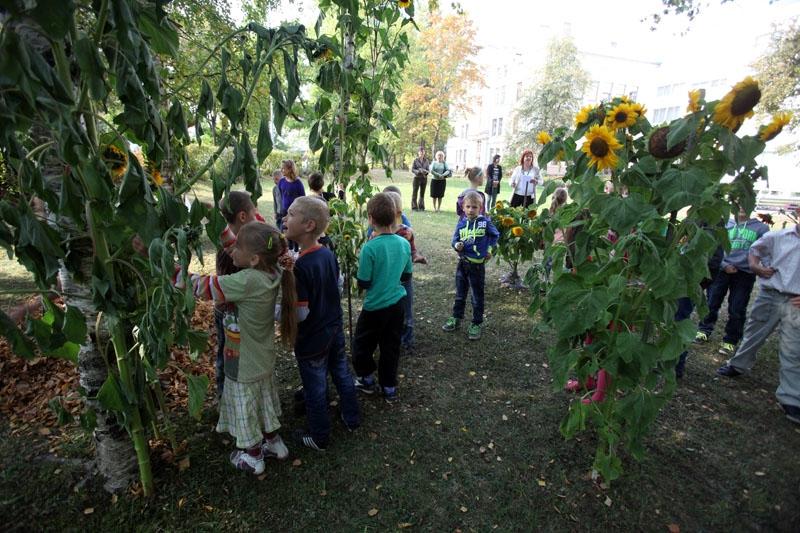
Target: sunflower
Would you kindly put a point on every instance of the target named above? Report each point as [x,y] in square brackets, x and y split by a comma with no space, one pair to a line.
[771,130]
[532,213]
[498,205]
[516,231]
[403,3]
[116,161]
[738,104]
[543,137]
[694,101]
[508,222]
[621,116]
[584,115]
[638,108]
[155,175]
[600,146]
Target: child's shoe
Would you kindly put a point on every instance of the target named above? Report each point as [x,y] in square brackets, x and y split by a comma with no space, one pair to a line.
[474,332]
[304,437]
[727,349]
[274,448]
[390,394]
[350,427]
[700,337]
[451,324]
[365,384]
[244,461]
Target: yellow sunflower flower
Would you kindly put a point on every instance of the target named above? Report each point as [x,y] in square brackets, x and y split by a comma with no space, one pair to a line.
[516,231]
[621,116]
[543,138]
[116,161]
[498,205]
[584,115]
[508,222]
[738,104]
[403,3]
[624,99]
[638,108]
[600,146]
[532,213]
[694,101]
[771,130]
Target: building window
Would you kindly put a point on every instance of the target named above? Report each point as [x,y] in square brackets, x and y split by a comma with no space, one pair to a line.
[494,127]
[519,90]
[499,126]
[501,95]
[664,90]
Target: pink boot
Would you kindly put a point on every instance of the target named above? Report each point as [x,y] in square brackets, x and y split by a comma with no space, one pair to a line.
[573,385]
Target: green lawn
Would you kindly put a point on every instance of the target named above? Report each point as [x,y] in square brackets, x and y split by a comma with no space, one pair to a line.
[473,445]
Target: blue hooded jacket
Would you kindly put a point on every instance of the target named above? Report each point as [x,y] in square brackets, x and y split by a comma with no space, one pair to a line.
[479,237]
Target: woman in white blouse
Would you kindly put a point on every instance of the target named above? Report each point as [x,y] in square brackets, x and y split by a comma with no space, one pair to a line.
[524,180]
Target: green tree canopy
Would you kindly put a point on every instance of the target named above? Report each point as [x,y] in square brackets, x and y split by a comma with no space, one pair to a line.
[780,65]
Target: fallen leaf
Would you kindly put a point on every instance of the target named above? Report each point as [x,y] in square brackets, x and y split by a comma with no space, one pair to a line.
[208,508]
[262,477]
[471,372]
[438,422]
[463,509]
[183,464]
[181,502]
[323,493]
[542,483]
[297,462]
[674,528]
[57,471]
[372,512]
[761,473]
[88,510]
[404,525]
[114,499]
[482,449]
[608,501]
[45,432]
[505,417]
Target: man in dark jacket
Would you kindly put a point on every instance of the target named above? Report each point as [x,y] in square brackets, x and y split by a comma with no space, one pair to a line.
[420,169]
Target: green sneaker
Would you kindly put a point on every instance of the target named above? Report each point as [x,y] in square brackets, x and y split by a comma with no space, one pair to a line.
[451,324]
[474,332]
[727,349]
[700,337]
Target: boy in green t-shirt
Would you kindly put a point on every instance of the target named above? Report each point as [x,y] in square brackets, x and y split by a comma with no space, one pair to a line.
[384,263]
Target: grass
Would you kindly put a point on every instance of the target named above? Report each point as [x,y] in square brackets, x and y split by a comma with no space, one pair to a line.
[473,444]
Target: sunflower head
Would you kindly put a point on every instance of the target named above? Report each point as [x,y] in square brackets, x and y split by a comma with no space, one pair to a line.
[771,130]
[155,174]
[601,146]
[584,115]
[532,213]
[543,138]
[621,116]
[508,222]
[638,108]
[657,145]
[516,231]
[738,104]
[498,205]
[116,161]
[694,100]
[403,3]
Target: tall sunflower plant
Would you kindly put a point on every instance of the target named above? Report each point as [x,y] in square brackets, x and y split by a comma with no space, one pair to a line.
[631,254]
[521,234]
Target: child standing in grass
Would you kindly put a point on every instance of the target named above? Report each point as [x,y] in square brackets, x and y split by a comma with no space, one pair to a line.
[384,263]
[320,345]
[407,338]
[475,177]
[250,407]
[474,240]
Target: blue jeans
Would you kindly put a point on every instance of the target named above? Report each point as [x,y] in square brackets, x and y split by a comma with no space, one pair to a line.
[314,375]
[491,200]
[470,276]
[738,287]
[219,364]
[407,338]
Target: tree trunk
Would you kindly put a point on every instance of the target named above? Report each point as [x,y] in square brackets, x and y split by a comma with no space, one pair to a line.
[114,454]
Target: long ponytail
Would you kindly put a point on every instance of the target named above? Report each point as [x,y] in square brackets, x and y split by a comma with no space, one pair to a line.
[288,296]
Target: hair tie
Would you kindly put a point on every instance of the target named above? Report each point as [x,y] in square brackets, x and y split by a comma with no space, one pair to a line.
[286,261]
[269,243]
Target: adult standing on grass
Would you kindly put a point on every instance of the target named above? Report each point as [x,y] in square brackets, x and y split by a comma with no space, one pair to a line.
[420,168]
[440,172]
[524,180]
[775,258]
[494,173]
[735,279]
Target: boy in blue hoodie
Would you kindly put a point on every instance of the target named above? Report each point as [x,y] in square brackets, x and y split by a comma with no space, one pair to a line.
[735,279]
[474,240]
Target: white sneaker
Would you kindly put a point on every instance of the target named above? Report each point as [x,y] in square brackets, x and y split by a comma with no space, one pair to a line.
[275,448]
[244,461]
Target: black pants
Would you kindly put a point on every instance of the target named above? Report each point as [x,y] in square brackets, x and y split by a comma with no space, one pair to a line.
[379,328]
[519,200]
[418,186]
[738,287]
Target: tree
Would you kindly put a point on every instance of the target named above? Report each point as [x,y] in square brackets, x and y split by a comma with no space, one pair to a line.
[442,71]
[780,65]
[552,102]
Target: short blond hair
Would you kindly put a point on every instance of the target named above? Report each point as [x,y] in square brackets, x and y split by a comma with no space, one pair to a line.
[313,208]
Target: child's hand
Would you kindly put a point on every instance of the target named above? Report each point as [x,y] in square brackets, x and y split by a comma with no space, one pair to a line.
[795,301]
[459,246]
[764,272]
[419,258]
[139,246]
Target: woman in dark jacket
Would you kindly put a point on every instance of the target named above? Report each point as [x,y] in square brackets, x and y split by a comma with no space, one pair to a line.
[494,173]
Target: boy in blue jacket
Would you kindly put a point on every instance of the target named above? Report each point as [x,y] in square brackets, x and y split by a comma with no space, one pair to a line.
[474,240]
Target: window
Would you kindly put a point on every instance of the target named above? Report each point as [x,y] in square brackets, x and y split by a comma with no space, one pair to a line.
[658,115]
[478,154]
[519,90]
[499,126]
[501,95]
[664,90]
[494,127]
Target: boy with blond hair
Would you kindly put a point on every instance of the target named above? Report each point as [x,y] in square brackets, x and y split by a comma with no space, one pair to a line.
[384,263]
[320,344]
